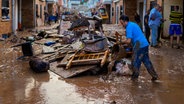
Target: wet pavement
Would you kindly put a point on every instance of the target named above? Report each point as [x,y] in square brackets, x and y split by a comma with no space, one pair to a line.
[19,85]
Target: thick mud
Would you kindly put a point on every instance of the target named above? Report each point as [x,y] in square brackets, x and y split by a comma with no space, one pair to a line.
[20,85]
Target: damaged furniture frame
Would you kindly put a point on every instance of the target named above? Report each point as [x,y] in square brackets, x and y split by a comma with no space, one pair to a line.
[86,59]
[119,41]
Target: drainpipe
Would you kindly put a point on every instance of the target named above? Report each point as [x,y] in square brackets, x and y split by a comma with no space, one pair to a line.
[144,12]
[20,15]
[34,12]
[13,17]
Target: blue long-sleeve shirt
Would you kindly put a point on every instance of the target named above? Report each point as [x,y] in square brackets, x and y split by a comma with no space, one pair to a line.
[154,17]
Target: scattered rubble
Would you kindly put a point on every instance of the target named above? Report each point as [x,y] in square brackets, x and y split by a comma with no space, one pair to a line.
[69,48]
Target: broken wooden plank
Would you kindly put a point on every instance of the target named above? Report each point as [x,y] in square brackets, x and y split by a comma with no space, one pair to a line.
[61,71]
[54,58]
[77,63]
[58,48]
[70,62]
[52,31]
[104,59]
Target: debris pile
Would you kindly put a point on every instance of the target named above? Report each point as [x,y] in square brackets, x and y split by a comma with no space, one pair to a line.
[73,48]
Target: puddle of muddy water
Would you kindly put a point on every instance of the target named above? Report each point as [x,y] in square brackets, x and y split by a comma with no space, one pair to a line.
[27,87]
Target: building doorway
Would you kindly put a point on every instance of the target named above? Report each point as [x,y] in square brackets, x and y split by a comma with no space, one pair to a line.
[28,13]
[130,8]
[108,8]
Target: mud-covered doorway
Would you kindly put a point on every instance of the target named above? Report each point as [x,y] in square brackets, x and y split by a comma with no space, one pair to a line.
[28,13]
[130,8]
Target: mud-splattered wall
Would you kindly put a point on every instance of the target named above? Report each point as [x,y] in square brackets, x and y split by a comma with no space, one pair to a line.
[5,25]
[28,14]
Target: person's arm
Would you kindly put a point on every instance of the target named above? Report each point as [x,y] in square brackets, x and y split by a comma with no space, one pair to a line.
[126,41]
[128,34]
[152,15]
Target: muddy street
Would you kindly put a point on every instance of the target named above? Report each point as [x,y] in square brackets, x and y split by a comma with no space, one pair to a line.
[20,85]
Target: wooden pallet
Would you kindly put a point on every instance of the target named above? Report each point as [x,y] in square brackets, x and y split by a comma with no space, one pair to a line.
[85,59]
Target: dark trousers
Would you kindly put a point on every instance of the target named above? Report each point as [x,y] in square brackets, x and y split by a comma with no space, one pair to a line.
[147,33]
[159,30]
[142,55]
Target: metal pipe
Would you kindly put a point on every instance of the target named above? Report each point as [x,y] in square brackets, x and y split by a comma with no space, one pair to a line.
[13,17]
[144,12]
[34,12]
[110,13]
[20,14]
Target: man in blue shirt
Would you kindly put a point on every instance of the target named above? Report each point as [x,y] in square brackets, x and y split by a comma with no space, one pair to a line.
[140,45]
[154,23]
